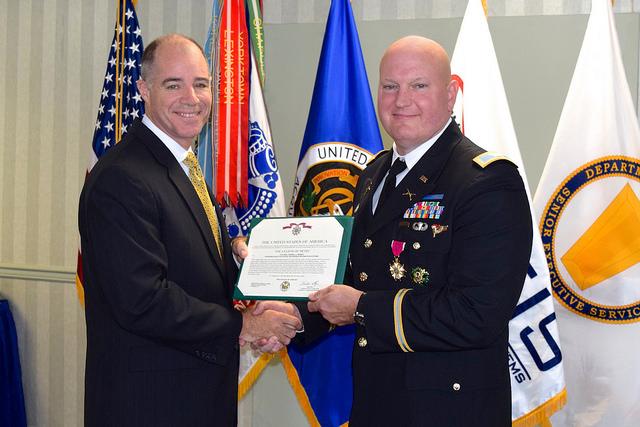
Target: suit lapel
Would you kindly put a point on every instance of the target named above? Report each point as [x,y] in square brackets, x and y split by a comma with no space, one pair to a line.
[420,181]
[376,172]
[183,186]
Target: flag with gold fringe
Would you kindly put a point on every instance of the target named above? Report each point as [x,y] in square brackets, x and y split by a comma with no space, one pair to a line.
[535,359]
[588,200]
[235,149]
[340,138]
[120,103]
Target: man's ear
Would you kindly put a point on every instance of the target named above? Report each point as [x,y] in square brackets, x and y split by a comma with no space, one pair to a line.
[452,92]
[143,88]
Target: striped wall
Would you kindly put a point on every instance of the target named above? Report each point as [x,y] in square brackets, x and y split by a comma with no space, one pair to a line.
[303,11]
[52,61]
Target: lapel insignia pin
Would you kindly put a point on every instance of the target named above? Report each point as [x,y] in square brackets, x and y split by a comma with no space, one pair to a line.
[368,187]
[424,179]
[438,228]
[409,194]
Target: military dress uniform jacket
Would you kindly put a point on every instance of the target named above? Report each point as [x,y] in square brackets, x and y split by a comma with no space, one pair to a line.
[433,348]
[162,335]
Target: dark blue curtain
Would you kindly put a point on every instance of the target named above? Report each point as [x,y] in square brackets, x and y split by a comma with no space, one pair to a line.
[12,412]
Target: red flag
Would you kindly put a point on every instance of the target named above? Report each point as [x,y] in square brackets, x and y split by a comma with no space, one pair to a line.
[233,104]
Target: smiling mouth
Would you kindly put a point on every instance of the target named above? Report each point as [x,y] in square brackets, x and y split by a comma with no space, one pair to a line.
[188,115]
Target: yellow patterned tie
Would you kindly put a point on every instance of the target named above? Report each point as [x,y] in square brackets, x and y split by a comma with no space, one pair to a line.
[195,175]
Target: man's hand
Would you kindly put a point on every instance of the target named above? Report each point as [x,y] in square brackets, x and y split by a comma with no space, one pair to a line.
[264,345]
[272,345]
[281,306]
[239,247]
[270,323]
[336,303]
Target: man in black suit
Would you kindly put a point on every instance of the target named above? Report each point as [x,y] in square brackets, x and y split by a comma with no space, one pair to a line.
[162,334]
[438,260]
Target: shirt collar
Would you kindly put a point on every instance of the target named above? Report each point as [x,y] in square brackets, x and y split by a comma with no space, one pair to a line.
[176,149]
[413,156]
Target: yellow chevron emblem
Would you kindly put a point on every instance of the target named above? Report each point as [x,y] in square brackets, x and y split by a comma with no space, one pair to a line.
[610,245]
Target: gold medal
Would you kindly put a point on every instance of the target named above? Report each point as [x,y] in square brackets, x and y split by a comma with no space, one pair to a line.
[396,269]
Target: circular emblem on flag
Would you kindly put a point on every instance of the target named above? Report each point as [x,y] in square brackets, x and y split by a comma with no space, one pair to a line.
[590,232]
[327,178]
[328,185]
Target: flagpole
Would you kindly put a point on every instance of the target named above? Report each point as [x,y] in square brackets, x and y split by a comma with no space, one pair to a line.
[119,69]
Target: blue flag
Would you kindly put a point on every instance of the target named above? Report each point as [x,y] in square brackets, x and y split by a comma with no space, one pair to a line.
[206,140]
[341,137]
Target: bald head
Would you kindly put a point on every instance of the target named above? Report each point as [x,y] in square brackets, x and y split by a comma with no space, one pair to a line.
[427,49]
[149,54]
[416,93]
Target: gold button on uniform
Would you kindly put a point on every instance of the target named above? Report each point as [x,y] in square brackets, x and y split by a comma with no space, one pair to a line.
[368,243]
[456,386]
[362,342]
[363,276]
[416,245]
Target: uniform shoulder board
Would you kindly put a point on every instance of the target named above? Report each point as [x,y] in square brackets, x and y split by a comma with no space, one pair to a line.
[485,159]
[380,154]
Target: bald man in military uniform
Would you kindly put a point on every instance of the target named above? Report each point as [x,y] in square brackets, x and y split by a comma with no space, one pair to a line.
[438,260]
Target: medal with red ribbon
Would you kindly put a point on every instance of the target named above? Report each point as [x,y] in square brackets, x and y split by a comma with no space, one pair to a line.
[395,267]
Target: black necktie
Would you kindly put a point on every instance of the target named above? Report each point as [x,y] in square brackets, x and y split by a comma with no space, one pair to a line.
[390,181]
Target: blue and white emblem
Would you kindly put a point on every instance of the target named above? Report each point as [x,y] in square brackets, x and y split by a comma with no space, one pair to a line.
[263,183]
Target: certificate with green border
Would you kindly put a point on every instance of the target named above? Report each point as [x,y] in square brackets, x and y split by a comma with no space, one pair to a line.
[290,258]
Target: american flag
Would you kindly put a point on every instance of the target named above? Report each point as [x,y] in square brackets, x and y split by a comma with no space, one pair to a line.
[120,102]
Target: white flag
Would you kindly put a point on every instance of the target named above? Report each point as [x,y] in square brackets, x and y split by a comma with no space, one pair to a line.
[535,360]
[588,199]
[265,183]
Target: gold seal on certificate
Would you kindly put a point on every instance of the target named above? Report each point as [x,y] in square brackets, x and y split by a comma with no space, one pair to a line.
[289,258]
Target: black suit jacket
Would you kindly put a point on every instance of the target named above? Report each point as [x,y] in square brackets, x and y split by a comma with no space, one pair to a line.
[433,350]
[162,335]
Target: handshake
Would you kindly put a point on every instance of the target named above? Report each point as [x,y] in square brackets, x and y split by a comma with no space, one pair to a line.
[270,325]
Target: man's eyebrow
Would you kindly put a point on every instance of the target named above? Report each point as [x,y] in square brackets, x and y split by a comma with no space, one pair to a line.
[203,79]
[171,80]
